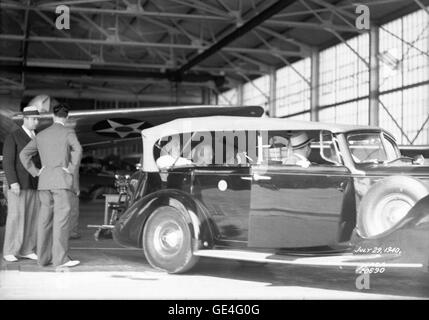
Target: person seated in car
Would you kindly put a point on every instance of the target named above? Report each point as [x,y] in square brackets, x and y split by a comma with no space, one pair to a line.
[239,158]
[280,148]
[202,154]
[301,150]
[171,155]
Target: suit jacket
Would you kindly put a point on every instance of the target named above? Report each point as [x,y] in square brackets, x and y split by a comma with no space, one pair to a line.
[58,149]
[76,188]
[13,168]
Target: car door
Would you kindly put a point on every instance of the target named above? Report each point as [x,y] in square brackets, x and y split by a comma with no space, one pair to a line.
[225,192]
[294,207]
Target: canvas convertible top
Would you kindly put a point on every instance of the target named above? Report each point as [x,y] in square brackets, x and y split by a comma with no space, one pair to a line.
[231,123]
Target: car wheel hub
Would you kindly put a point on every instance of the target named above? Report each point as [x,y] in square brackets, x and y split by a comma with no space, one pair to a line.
[389,211]
[168,238]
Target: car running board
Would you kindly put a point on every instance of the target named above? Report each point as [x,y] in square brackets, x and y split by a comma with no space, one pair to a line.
[346,260]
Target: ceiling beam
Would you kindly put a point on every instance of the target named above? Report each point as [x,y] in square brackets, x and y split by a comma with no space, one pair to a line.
[112,80]
[102,71]
[87,64]
[148,44]
[325,25]
[91,94]
[142,13]
[234,35]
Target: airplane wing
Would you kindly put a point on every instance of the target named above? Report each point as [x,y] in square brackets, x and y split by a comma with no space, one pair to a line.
[100,127]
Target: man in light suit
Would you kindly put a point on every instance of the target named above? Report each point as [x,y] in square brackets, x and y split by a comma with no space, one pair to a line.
[23,201]
[74,217]
[60,154]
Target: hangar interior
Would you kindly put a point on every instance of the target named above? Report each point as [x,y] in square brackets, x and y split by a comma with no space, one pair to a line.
[359,62]
[300,59]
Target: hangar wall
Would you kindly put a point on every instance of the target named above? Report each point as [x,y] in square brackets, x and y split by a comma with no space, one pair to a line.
[343,85]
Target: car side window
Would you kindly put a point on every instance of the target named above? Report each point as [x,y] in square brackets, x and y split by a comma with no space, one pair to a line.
[168,152]
[300,148]
[231,148]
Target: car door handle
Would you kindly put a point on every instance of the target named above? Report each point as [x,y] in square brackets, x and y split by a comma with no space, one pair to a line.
[257,177]
[342,187]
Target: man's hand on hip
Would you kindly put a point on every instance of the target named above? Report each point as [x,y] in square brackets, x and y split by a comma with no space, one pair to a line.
[15,188]
[40,171]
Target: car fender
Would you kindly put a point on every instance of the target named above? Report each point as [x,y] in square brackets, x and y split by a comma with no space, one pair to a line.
[129,229]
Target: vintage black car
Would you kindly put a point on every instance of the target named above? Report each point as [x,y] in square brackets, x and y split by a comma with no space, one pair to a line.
[356,201]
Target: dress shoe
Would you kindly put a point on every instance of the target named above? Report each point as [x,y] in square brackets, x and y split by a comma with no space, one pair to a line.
[70,263]
[31,256]
[75,235]
[10,258]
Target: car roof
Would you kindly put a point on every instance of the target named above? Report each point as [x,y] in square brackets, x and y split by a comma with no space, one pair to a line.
[229,123]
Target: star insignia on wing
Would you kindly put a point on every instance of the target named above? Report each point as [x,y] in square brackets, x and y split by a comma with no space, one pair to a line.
[122,130]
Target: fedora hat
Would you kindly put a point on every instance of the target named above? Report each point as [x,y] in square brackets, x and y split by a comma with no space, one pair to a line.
[299,140]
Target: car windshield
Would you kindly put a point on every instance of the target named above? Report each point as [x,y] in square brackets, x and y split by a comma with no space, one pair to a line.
[372,147]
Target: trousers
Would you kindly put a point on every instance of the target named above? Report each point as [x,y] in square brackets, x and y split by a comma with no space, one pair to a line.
[21,223]
[53,228]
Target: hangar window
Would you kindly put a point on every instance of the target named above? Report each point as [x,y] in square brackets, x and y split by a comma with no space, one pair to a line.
[355,112]
[343,75]
[256,92]
[229,97]
[405,63]
[293,89]
[344,82]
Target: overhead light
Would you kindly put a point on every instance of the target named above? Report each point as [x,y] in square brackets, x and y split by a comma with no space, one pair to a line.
[391,58]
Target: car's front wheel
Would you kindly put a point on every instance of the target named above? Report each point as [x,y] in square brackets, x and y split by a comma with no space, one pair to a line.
[167,241]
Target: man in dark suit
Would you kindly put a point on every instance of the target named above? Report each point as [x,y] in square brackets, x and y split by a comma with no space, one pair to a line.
[23,201]
[60,153]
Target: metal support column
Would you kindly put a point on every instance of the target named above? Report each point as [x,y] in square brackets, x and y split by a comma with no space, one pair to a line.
[374,72]
[272,94]
[314,107]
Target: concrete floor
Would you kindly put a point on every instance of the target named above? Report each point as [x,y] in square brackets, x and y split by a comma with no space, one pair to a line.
[108,271]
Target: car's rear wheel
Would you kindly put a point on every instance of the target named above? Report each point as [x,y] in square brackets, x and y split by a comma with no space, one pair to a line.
[167,241]
[387,203]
